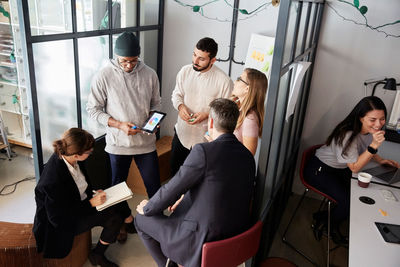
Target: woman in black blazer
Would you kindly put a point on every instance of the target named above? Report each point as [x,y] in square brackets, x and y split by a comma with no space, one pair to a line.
[66,203]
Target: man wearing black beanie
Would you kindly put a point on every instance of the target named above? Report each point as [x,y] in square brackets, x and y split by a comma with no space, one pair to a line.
[122,96]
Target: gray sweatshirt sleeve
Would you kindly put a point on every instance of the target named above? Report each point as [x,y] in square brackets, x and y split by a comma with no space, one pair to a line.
[97,101]
[156,98]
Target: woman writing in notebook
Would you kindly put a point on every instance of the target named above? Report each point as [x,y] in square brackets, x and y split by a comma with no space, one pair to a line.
[65,202]
[352,144]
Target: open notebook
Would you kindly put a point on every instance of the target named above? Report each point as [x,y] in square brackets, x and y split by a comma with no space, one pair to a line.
[115,194]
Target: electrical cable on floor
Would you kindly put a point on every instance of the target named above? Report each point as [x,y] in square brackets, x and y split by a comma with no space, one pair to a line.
[14,185]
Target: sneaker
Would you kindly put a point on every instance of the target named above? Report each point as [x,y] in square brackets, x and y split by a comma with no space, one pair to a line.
[97,259]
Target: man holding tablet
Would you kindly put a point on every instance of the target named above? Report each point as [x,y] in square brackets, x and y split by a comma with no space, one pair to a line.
[123,95]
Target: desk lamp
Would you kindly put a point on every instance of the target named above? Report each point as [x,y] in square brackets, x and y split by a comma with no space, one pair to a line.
[389,84]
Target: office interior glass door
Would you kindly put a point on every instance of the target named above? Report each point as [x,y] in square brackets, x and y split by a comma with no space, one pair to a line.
[66,44]
[296,40]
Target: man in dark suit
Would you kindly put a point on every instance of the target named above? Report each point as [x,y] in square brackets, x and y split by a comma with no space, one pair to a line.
[217,179]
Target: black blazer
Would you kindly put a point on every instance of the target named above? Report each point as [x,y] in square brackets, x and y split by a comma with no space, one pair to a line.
[58,204]
[218,180]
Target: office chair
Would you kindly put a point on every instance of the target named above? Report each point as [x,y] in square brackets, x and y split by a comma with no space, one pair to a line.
[307,154]
[232,251]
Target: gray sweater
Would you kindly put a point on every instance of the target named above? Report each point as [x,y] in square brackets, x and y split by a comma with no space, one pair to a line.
[126,97]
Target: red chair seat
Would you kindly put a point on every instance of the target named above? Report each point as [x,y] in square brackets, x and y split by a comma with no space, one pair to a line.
[232,251]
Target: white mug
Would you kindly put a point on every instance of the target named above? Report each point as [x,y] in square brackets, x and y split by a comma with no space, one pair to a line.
[364,179]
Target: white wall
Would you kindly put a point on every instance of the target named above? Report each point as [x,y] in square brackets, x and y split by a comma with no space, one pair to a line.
[183,28]
[349,54]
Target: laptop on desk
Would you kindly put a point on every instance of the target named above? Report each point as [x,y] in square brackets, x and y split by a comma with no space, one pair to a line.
[386,173]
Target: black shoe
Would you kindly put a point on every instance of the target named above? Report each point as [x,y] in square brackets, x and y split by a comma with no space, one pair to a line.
[318,224]
[170,263]
[338,238]
[122,237]
[318,230]
[97,259]
[130,227]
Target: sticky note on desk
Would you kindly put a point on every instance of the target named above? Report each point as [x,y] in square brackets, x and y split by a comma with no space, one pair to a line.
[384,213]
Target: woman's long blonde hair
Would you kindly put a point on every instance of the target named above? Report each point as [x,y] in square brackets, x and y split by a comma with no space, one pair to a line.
[254,100]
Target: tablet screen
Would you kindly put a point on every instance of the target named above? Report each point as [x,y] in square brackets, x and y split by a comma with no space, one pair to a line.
[153,121]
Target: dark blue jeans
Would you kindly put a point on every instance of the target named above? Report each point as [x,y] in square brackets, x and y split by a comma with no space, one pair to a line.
[148,167]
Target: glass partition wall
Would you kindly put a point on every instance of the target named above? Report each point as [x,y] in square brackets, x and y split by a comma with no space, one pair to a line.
[66,43]
[296,40]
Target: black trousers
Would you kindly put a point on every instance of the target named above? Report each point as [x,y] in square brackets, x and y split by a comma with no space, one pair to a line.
[110,219]
[333,182]
[179,154]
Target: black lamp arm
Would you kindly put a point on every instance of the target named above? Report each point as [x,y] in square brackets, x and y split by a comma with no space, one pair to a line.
[373,90]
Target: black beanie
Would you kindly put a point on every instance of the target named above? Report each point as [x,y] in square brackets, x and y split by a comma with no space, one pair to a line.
[127,45]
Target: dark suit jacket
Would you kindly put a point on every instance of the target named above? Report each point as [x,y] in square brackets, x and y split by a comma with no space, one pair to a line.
[58,204]
[217,179]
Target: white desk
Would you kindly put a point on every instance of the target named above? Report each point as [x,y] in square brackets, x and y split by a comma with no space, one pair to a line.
[366,245]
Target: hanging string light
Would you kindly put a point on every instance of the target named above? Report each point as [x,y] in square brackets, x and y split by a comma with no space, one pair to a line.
[199,9]
[363,11]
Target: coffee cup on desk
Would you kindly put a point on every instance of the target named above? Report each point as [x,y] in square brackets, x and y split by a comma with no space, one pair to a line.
[364,179]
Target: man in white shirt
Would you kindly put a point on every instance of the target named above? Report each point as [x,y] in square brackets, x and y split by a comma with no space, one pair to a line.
[197,84]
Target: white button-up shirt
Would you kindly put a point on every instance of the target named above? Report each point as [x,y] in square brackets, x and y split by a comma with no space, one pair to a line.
[196,90]
[78,177]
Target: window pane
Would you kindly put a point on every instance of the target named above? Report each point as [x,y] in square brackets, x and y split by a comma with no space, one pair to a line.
[55,83]
[91,15]
[302,25]
[310,25]
[290,32]
[50,17]
[149,12]
[279,133]
[124,13]
[318,14]
[274,152]
[93,55]
[148,44]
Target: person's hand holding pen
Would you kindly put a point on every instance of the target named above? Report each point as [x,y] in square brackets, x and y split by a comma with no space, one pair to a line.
[99,197]
[128,128]
[207,135]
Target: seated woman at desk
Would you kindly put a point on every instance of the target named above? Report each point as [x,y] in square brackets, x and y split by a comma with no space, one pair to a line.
[249,93]
[351,145]
[65,203]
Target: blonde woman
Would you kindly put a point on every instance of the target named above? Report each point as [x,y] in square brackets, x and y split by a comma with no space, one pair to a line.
[249,93]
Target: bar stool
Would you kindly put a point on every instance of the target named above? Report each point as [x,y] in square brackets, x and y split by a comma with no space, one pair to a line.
[307,154]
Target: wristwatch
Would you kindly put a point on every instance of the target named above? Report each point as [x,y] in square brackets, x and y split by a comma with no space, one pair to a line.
[372,150]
